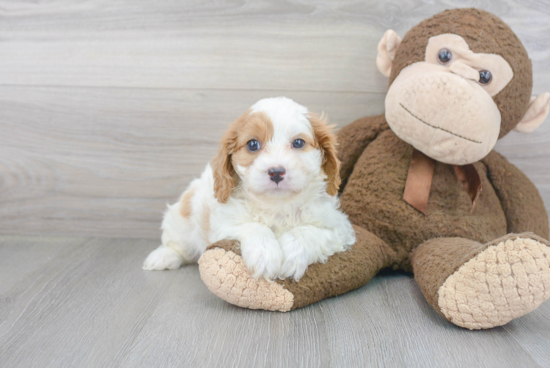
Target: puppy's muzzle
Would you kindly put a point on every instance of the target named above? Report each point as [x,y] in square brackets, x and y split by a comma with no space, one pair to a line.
[276,174]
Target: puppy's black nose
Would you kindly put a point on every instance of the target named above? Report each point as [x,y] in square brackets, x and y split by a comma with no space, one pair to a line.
[276,173]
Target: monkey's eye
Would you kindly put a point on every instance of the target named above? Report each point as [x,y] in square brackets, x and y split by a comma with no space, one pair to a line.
[298,143]
[253,145]
[485,77]
[444,56]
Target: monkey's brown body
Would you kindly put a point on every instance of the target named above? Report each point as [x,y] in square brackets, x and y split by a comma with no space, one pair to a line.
[373,195]
[373,198]
[478,268]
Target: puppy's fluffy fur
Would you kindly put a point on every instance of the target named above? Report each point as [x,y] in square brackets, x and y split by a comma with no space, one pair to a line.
[283,225]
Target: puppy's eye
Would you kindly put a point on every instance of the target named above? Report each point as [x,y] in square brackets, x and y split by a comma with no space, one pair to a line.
[485,77]
[444,56]
[298,143]
[253,145]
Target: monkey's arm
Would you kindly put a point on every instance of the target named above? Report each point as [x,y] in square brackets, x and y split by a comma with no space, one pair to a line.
[520,199]
[354,138]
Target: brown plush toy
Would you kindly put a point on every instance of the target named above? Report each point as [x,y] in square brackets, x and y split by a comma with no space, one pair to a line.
[423,187]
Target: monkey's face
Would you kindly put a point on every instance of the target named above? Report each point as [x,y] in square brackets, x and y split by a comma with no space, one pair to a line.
[459,81]
[443,106]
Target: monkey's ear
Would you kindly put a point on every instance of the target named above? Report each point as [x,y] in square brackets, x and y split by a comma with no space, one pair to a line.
[536,114]
[387,47]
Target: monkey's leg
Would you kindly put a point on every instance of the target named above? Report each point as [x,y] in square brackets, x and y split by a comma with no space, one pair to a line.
[483,286]
[225,274]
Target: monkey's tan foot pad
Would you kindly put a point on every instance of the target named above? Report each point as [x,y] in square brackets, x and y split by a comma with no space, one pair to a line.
[226,275]
[507,280]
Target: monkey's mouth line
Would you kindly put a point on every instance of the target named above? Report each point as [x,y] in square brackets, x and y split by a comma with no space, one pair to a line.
[439,128]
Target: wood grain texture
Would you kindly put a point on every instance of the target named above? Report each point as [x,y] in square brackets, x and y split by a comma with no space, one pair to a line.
[108,109]
[86,303]
[231,44]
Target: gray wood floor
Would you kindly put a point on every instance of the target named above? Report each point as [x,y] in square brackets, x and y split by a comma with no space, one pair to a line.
[85,302]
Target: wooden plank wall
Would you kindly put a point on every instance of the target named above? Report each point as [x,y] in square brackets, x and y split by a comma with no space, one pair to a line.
[108,108]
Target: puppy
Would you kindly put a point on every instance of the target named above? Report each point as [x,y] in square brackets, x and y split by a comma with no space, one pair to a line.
[272,187]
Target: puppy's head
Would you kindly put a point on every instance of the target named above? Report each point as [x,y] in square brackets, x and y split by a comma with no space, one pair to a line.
[276,149]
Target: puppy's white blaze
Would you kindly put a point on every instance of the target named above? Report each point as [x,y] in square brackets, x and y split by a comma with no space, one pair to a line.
[282,227]
[287,116]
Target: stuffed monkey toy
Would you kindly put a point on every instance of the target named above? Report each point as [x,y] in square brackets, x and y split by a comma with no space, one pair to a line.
[424,189]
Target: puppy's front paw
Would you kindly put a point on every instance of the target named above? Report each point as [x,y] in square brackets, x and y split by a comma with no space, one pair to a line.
[263,257]
[163,258]
[296,258]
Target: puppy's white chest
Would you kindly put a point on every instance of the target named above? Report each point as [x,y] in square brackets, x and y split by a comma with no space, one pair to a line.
[279,221]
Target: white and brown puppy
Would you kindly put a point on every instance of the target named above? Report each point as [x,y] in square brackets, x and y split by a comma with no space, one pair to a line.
[272,186]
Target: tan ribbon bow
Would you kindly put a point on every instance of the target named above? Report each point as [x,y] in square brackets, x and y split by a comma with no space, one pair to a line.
[420,177]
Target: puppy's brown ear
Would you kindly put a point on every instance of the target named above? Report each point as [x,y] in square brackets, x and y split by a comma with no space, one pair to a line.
[222,168]
[326,139]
